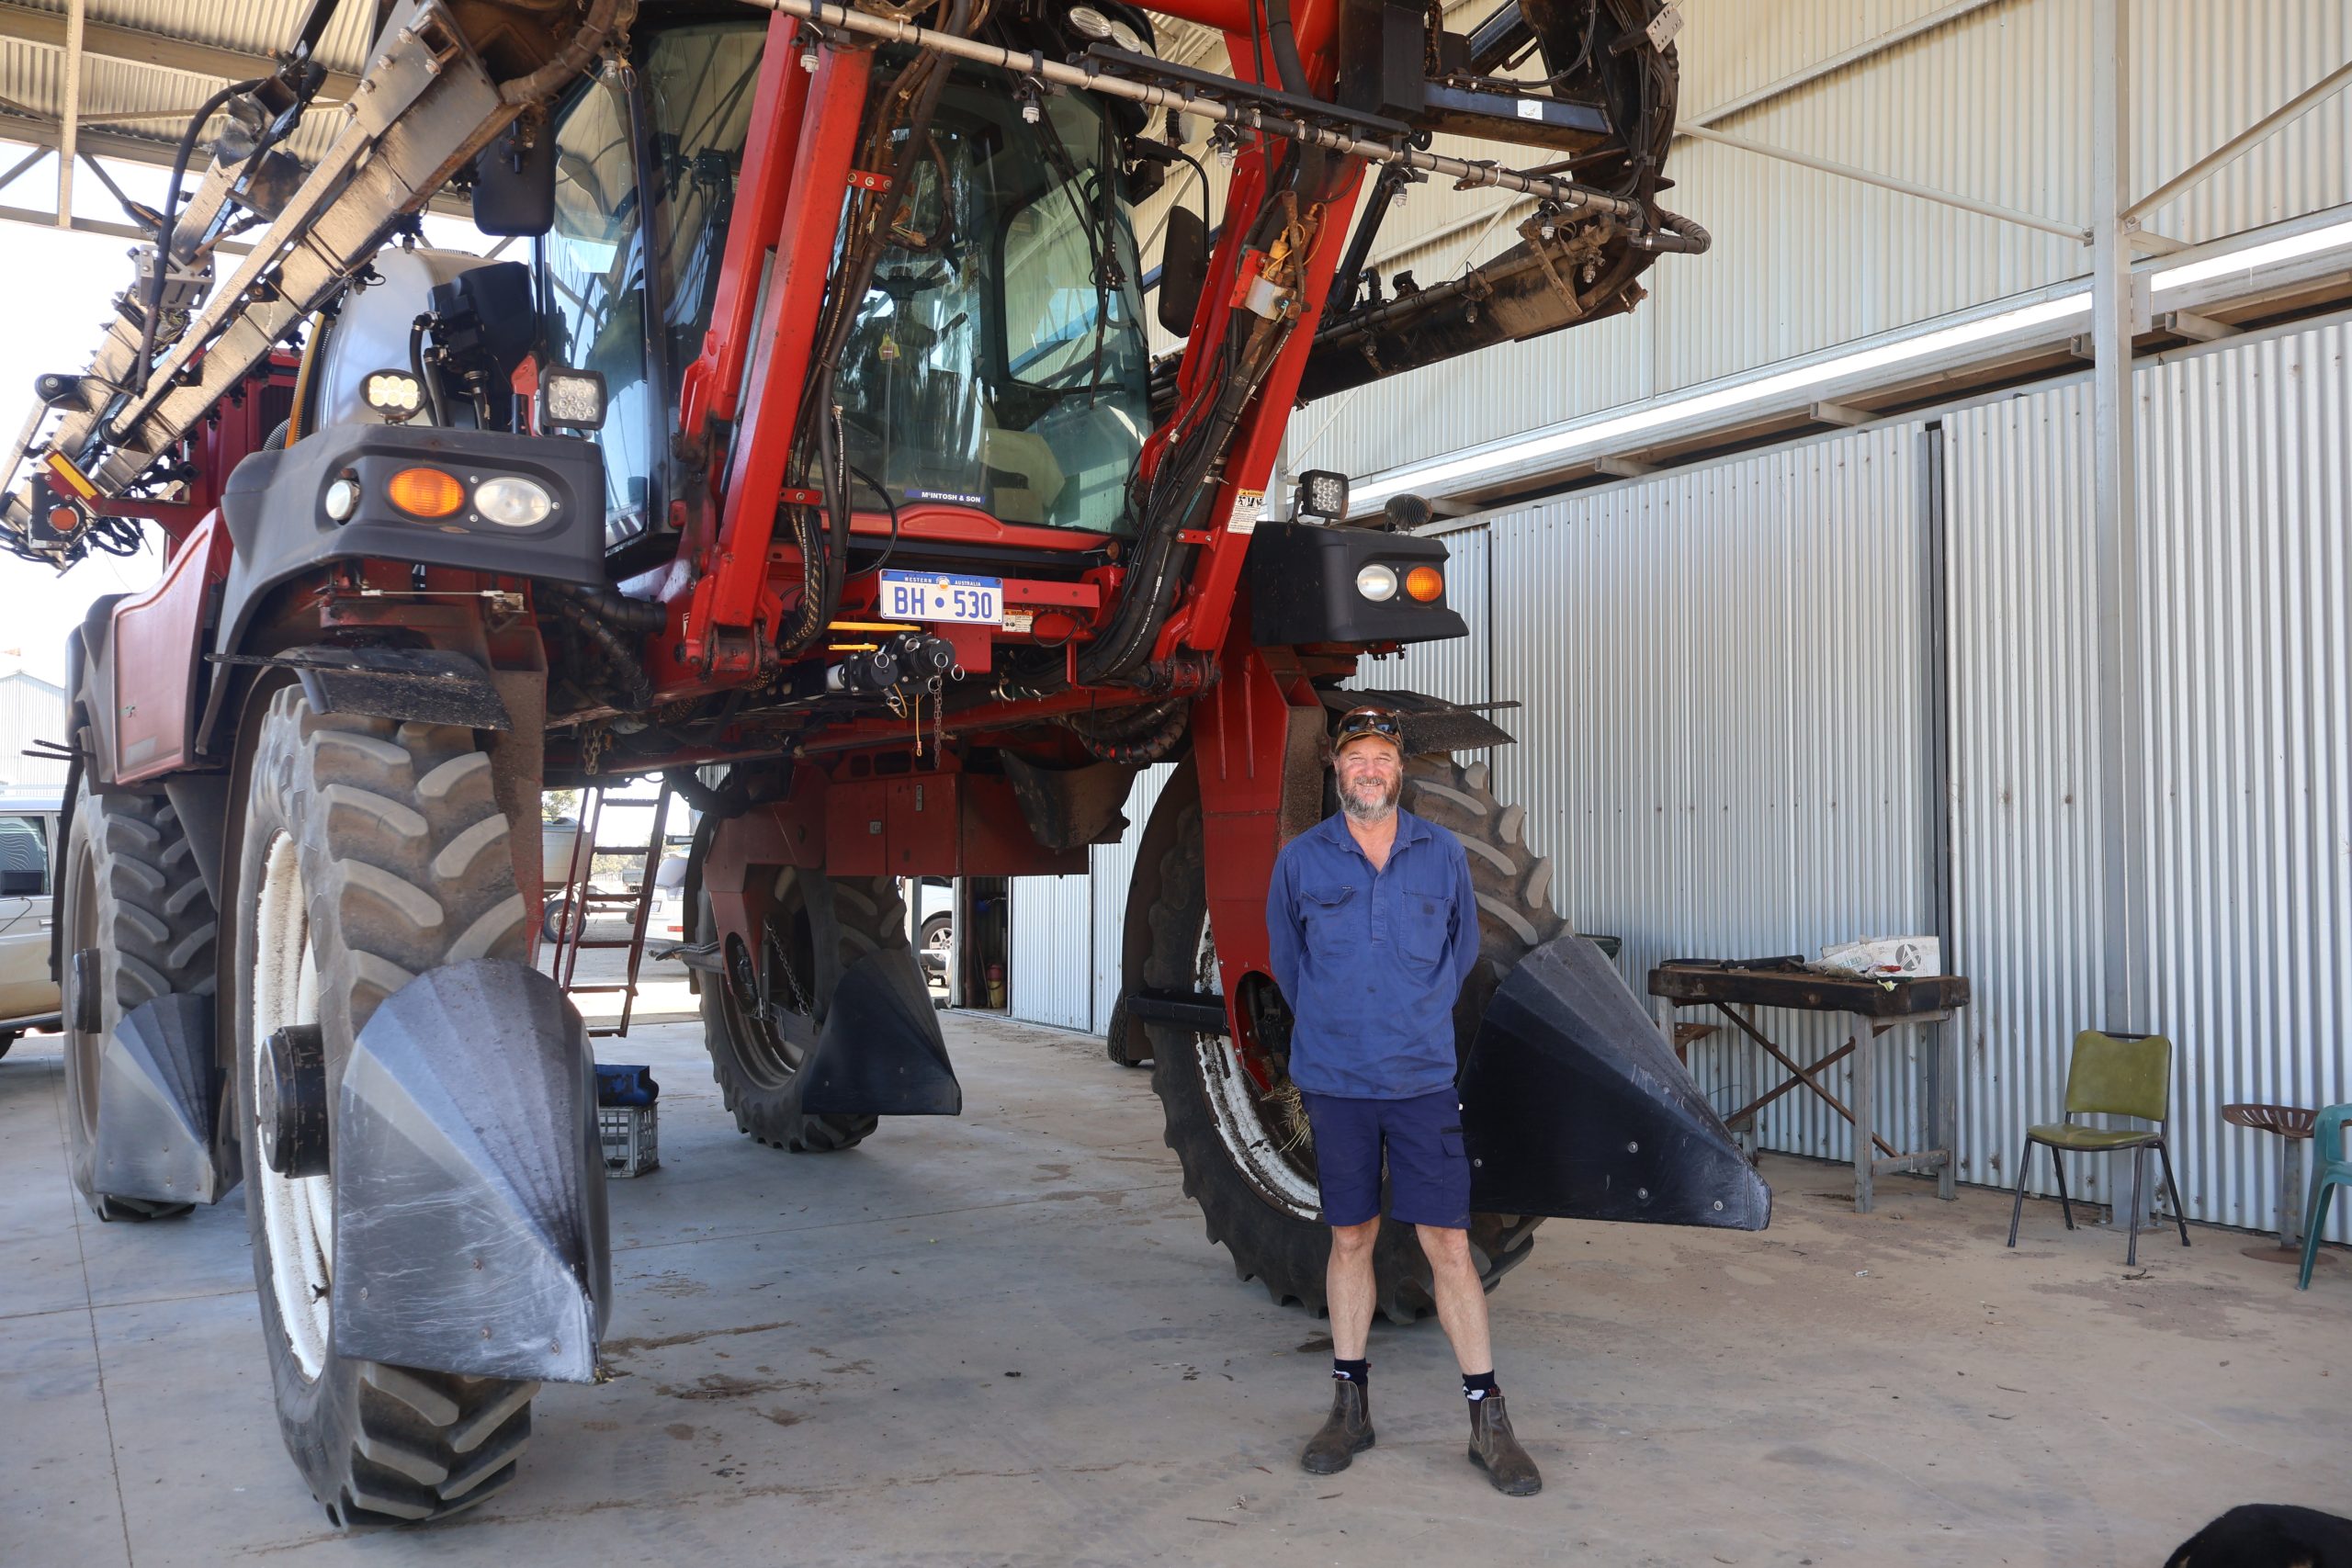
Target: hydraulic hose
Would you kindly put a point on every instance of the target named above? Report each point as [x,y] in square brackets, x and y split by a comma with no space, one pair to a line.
[1675,233]
[636,617]
[1288,67]
[605,18]
[164,233]
[621,662]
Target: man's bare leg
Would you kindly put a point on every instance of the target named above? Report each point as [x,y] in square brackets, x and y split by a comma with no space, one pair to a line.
[1461,1299]
[1348,1284]
[1462,1308]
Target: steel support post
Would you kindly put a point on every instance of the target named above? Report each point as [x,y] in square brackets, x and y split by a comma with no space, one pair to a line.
[70,117]
[2122,772]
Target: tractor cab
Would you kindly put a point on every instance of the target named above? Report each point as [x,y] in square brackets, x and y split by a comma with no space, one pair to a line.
[995,360]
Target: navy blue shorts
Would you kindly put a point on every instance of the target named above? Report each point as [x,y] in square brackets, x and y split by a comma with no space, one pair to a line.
[1429,1173]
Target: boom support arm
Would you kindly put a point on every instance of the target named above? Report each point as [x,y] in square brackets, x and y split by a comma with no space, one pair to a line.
[427,102]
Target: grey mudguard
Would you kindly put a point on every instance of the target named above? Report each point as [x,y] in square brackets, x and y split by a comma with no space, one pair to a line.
[275,505]
[1573,1106]
[470,1185]
[158,1094]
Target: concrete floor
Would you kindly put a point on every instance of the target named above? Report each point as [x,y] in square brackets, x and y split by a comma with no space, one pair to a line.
[1002,1339]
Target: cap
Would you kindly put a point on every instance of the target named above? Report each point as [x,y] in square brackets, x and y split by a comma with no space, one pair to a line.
[1381,724]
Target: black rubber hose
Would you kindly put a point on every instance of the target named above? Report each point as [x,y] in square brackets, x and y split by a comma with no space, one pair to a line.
[1674,233]
[605,18]
[1287,65]
[620,660]
[638,618]
[171,220]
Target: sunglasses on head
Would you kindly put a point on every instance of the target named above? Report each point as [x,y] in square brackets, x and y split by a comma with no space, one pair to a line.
[1357,722]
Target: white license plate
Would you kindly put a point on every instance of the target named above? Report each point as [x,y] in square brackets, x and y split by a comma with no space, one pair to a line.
[921,596]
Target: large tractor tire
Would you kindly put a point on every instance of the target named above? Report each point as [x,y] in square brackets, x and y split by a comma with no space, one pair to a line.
[132,894]
[368,852]
[1248,1156]
[761,1018]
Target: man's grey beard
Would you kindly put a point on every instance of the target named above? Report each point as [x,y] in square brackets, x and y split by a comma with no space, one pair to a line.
[1370,813]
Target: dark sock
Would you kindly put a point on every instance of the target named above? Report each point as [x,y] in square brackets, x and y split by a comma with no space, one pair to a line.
[1356,1372]
[1475,1386]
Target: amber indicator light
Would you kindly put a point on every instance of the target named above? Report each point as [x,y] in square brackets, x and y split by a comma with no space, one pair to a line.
[1425,583]
[425,493]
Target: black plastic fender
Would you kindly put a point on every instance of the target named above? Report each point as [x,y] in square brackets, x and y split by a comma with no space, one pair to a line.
[159,1097]
[880,1051]
[1574,1107]
[471,1231]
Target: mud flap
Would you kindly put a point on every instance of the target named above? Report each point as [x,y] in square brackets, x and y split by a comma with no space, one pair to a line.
[159,1095]
[470,1185]
[881,1052]
[1574,1107]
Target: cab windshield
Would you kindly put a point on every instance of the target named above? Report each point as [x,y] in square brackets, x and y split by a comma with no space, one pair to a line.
[660,164]
[998,359]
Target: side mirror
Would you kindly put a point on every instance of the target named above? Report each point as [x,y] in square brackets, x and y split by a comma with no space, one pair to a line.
[515,181]
[1184,269]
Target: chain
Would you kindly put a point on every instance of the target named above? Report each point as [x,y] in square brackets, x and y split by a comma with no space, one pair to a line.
[799,997]
[593,740]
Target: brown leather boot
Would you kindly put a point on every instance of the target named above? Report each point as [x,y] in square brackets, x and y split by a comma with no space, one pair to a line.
[1496,1450]
[1346,1434]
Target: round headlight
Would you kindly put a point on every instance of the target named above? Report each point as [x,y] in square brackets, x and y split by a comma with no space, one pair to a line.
[343,499]
[513,502]
[1090,23]
[1377,582]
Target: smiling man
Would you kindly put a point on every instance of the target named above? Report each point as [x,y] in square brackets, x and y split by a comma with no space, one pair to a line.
[1374,929]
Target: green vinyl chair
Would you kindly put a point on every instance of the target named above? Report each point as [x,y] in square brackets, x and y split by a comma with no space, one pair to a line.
[2110,1074]
[2330,1170]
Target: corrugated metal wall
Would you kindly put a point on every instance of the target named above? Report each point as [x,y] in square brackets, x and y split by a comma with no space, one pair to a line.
[2024,780]
[31,711]
[2246,523]
[1994,105]
[1112,868]
[1051,969]
[2247,508]
[1724,722]
[1067,929]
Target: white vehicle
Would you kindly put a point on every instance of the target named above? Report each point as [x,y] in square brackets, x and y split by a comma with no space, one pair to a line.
[934,901]
[28,996]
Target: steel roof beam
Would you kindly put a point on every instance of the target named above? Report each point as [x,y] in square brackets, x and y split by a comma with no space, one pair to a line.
[77,32]
[2259,131]
[2074,232]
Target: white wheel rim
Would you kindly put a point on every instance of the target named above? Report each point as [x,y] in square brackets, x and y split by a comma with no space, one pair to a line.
[298,1214]
[1254,1148]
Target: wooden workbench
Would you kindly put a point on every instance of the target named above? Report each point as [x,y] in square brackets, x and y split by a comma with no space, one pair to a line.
[1871,1009]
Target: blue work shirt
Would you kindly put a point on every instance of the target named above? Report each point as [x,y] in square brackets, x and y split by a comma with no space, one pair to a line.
[1371,961]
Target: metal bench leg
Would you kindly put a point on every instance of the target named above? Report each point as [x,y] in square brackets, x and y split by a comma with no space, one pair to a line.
[2179,1217]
